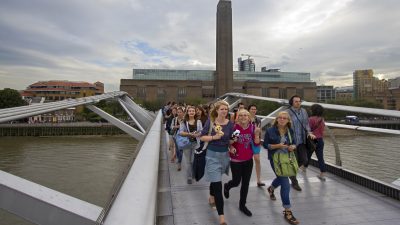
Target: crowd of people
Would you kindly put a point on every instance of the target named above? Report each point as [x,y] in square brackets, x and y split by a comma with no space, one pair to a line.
[232,141]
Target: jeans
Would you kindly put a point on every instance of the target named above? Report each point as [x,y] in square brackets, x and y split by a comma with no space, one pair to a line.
[241,172]
[188,153]
[319,152]
[179,152]
[285,187]
[301,155]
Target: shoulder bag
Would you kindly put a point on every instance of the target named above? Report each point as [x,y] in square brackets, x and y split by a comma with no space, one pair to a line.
[183,142]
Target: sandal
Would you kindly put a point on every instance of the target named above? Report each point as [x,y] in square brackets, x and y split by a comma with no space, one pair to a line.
[271,193]
[289,217]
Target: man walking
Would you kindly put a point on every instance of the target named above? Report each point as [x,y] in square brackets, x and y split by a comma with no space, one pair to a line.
[301,129]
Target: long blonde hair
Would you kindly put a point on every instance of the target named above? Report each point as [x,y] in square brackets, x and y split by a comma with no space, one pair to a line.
[289,124]
[217,105]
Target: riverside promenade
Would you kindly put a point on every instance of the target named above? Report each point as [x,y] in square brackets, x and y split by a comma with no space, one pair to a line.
[334,202]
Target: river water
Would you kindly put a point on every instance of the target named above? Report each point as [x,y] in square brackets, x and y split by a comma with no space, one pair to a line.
[87,167]
[84,167]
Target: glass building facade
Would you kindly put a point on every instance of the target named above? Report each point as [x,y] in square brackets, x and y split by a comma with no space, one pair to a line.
[162,74]
[208,75]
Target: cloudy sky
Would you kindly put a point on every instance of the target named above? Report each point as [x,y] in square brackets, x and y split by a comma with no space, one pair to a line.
[102,40]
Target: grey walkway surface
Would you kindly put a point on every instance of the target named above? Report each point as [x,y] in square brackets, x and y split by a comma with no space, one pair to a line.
[333,202]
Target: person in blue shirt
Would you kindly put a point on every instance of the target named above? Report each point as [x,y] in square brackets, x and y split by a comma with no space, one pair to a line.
[280,139]
[301,129]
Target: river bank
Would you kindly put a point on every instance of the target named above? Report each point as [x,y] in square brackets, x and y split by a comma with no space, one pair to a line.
[59,129]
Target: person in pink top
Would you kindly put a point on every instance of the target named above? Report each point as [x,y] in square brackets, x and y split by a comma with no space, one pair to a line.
[317,125]
[241,154]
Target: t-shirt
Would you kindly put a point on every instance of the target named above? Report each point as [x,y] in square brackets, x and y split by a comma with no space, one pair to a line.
[244,151]
[317,126]
[220,145]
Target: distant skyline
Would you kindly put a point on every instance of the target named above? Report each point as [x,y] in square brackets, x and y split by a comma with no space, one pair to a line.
[103,40]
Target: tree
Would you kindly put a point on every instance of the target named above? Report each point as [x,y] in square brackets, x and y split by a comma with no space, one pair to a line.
[195,101]
[265,107]
[10,98]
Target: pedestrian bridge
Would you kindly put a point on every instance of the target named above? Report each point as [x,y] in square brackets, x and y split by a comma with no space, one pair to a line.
[152,191]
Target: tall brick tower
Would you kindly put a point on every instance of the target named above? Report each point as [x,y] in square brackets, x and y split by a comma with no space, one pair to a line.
[224,73]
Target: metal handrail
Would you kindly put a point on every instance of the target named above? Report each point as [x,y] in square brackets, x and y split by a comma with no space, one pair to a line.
[235,97]
[136,200]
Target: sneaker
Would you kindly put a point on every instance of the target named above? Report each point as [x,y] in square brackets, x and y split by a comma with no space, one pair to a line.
[271,193]
[296,187]
[189,181]
[245,210]
[321,177]
[289,217]
[226,191]
[179,167]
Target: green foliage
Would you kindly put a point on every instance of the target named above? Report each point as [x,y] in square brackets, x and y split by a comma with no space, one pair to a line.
[340,115]
[195,101]
[10,98]
[264,107]
[111,107]
[153,105]
[359,103]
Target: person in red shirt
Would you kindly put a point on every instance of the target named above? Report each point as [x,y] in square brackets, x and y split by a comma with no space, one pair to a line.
[317,125]
[241,154]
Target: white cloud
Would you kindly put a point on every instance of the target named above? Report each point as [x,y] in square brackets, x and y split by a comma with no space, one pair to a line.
[98,39]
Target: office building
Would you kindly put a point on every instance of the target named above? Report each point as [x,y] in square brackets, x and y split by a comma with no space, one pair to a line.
[180,85]
[325,93]
[246,65]
[344,93]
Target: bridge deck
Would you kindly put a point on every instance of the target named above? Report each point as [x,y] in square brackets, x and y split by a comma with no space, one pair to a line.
[335,201]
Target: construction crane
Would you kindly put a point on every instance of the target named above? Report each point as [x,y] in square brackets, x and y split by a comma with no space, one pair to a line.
[250,55]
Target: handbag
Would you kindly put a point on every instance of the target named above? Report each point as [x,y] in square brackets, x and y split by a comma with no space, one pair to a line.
[199,160]
[310,145]
[182,142]
[285,164]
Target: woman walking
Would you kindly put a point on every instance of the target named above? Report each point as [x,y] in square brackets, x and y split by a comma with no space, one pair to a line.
[180,112]
[217,157]
[256,122]
[171,115]
[317,125]
[280,139]
[191,128]
[241,154]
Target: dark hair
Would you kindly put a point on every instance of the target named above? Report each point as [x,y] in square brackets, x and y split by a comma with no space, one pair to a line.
[291,99]
[317,110]
[252,105]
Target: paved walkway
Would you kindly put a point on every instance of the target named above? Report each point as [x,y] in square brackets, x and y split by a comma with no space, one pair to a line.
[333,202]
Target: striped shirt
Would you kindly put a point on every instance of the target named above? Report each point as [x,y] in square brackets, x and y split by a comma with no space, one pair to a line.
[299,123]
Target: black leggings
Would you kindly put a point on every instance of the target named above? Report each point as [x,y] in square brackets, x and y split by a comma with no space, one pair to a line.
[216,191]
[241,171]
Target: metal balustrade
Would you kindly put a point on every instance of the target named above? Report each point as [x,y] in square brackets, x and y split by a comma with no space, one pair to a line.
[135,198]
